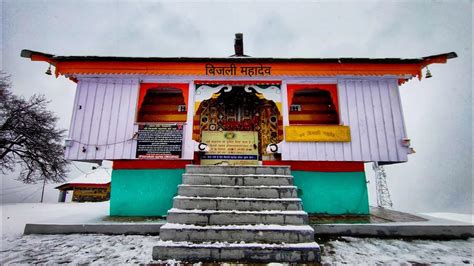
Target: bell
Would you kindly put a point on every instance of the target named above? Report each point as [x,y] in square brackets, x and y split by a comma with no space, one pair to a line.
[48,71]
[428,73]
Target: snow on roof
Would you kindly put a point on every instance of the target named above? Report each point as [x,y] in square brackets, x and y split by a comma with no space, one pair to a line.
[98,176]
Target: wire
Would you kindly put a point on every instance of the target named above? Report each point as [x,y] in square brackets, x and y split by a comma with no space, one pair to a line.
[78,168]
[13,192]
[99,145]
[13,188]
[31,195]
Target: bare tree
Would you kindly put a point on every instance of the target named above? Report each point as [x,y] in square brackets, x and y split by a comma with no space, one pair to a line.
[29,137]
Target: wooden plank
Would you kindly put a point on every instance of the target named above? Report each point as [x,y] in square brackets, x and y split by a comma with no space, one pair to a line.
[398,122]
[87,122]
[379,121]
[302,150]
[96,121]
[113,132]
[329,148]
[71,152]
[338,147]
[122,125]
[313,107]
[326,111]
[105,119]
[312,151]
[161,107]
[344,115]
[165,100]
[128,152]
[369,118]
[313,117]
[293,151]
[338,151]
[353,121]
[388,123]
[80,119]
[311,100]
[164,118]
[362,122]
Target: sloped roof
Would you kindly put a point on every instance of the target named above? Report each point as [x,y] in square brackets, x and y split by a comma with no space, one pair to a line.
[99,176]
[247,59]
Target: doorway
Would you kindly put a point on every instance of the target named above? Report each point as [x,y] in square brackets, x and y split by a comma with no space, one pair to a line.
[240,108]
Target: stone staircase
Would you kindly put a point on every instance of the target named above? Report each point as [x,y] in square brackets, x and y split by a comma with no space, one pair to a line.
[237,213]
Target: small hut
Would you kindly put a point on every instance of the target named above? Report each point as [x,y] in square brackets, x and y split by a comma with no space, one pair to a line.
[92,186]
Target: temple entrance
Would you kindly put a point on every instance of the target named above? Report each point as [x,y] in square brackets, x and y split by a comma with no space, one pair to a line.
[240,109]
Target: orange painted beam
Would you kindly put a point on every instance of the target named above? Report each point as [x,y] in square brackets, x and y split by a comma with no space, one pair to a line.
[277,69]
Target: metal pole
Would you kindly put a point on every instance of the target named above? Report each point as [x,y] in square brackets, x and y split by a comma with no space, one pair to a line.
[42,191]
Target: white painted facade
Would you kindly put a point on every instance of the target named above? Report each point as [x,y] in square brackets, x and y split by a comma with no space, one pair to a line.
[104,113]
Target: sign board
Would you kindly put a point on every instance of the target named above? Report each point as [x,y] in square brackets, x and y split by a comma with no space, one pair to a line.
[230,148]
[162,141]
[233,70]
[323,133]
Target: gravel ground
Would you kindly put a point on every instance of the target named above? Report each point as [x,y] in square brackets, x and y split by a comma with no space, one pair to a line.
[134,249]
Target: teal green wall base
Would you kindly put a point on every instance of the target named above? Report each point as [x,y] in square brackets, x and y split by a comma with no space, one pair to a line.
[333,192]
[143,192]
[150,192]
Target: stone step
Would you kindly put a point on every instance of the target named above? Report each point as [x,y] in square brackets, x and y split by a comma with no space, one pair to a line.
[228,217]
[238,170]
[238,180]
[237,191]
[236,233]
[245,252]
[241,204]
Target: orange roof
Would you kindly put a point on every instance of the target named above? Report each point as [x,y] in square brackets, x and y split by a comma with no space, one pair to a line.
[77,65]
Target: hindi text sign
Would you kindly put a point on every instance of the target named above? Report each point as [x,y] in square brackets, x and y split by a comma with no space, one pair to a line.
[231,70]
[230,148]
[323,133]
[162,141]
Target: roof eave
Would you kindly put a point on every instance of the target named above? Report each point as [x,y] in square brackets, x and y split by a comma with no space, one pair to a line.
[39,56]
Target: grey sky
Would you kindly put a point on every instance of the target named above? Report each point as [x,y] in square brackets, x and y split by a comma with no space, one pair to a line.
[438,111]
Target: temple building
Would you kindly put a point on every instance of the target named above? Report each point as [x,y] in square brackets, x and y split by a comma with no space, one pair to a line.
[152,116]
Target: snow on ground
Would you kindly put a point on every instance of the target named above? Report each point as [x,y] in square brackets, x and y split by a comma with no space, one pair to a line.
[16,215]
[77,249]
[101,249]
[375,251]
[121,249]
[459,217]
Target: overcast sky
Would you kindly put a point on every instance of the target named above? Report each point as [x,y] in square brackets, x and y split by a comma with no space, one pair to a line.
[438,111]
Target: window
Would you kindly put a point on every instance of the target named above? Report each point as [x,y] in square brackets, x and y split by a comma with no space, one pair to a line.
[161,103]
[313,105]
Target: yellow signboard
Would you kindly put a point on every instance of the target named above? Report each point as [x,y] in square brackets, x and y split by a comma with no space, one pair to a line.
[323,133]
[230,148]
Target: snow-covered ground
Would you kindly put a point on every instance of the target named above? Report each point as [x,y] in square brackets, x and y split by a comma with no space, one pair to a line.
[16,215]
[77,249]
[388,251]
[459,217]
[111,250]
[121,249]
